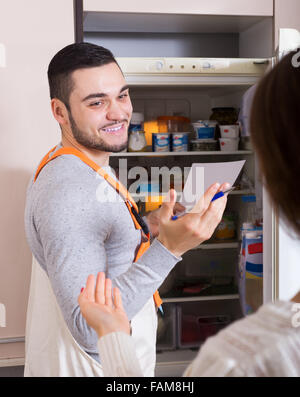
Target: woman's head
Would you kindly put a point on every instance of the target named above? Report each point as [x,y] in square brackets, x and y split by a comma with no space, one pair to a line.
[275,132]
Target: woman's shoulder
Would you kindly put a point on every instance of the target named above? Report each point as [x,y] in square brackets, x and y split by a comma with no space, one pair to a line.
[255,336]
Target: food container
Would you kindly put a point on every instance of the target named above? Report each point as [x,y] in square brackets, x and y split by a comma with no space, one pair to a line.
[179,141]
[230,131]
[224,115]
[205,129]
[137,141]
[226,230]
[136,122]
[204,145]
[194,329]
[229,144]
[173,123]
[161,142]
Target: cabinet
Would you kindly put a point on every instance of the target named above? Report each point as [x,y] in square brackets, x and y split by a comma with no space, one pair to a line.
[213,7]
[29,41]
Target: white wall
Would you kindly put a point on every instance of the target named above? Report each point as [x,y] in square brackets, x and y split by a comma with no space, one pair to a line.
[31,31]
[287,15]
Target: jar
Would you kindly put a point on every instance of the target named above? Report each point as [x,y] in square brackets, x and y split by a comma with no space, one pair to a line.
[224,116]
[137,141]
[173,124]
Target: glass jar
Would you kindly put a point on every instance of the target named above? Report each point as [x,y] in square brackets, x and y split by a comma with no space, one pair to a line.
[224,116]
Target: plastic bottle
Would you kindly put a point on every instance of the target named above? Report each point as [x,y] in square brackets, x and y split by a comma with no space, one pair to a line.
[136,134]
[136,122]
[251,216]
[250,269]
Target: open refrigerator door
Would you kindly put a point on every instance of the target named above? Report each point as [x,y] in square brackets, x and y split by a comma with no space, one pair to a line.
[282,253]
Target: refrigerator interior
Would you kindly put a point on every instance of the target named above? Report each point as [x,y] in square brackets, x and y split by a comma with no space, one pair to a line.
[202,290]
[204,285]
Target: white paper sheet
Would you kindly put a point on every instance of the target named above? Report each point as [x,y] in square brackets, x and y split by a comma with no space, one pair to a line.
[203,175]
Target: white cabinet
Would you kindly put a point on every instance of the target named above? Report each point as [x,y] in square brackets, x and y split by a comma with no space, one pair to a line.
[204,7]
[31,32]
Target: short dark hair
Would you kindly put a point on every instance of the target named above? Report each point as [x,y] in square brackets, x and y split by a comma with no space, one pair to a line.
[70,58]
[275,133]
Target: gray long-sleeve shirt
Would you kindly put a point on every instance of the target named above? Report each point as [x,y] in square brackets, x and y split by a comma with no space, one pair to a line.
[76,227]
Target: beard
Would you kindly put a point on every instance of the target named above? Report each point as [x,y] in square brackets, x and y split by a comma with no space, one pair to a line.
[94,142]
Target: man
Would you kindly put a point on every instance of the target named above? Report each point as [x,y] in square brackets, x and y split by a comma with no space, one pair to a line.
[73,232]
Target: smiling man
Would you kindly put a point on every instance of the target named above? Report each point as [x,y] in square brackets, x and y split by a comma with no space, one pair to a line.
[72,233]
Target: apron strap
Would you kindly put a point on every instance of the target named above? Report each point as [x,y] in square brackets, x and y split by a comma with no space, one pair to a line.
[69,150]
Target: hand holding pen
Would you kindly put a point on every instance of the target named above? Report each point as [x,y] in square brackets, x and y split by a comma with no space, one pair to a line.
[196,226]
[216,196]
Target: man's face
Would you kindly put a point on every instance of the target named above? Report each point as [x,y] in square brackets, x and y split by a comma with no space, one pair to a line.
[100,108]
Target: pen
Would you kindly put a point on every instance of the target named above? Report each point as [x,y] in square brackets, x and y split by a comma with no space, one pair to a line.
[221,194]
[216,196]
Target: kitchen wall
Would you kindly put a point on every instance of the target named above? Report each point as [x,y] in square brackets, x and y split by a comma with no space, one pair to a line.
[31,32]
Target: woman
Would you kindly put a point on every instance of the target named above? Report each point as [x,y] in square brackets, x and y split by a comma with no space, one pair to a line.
[266,343]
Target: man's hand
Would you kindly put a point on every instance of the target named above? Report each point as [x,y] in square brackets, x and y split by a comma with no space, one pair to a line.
[191,229]
[101,312]
[154,216]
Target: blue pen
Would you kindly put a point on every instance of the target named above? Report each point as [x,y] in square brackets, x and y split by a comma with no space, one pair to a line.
[221,194]
[216,196]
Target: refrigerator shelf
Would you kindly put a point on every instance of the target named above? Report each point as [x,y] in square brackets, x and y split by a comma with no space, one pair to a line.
[201,298]
[139,196]
[221,245]
[191,153]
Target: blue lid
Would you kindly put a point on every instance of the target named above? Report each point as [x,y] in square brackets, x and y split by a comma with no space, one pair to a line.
[249,199]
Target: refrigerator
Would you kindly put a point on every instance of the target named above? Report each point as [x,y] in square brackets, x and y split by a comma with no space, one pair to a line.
[198,298]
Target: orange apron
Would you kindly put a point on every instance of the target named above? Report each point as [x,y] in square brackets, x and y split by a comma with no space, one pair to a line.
[131,205]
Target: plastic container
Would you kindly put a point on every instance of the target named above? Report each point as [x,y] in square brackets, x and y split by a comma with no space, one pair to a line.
[226,230]
[204,145]
[205,129]
[208,263]
[161,142]
[150,127]
[230,131]
[173,124]
[194,329]
[251,271]
[145,187]
[179,142]
[137,141]
[167,328]
[229,144]
[251,215]
[136,122]
[224,115]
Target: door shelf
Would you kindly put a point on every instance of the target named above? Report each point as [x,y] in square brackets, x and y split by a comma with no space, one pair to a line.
[201,298]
